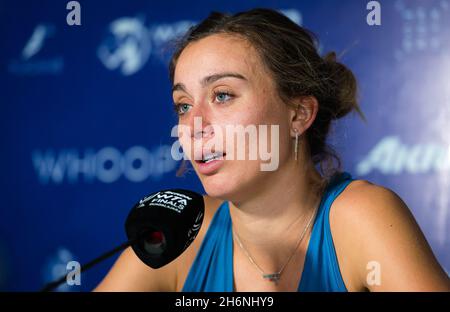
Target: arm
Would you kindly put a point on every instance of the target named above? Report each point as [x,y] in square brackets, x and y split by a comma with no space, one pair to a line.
[129,273]
[393,253]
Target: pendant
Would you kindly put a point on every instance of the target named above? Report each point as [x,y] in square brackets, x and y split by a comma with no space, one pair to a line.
[274,277]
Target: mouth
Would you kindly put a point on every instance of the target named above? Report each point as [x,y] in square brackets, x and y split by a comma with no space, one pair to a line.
[210,163]
[210,157]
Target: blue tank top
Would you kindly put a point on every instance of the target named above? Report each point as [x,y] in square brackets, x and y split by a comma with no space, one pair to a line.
[212,269]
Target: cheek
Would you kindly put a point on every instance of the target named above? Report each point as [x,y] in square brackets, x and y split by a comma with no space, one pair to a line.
[185,141]
[267,109]
[249,111]
[263,116]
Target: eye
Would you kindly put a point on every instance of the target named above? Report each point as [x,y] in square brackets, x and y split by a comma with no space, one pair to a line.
[181,108]
[222,96]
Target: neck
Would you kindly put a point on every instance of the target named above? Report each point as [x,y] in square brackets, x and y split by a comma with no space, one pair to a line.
[271,220]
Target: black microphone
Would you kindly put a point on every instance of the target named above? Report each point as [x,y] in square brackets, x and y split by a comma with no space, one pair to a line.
[159,228]
[162,225]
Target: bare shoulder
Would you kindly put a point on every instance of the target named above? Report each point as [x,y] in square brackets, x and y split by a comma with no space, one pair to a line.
[129,273]
[362,201]
[379,244]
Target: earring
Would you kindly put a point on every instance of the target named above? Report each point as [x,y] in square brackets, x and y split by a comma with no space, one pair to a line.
[296,143]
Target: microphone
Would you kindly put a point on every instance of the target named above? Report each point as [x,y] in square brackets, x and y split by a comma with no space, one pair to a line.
[162,225]
[159,228]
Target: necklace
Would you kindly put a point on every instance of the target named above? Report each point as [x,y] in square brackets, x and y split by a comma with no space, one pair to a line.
[274,277]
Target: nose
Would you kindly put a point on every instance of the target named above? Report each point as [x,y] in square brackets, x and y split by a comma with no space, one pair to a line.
[201,127]
[203,132]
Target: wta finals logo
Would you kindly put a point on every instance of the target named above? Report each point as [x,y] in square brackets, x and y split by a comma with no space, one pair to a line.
[127,48]
[130,43]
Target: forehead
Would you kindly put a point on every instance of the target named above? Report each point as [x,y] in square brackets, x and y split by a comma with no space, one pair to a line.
[218,53]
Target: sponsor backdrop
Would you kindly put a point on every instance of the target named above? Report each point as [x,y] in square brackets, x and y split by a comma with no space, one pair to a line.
[86,118]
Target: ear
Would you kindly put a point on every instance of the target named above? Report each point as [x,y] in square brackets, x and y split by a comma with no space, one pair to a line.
[304,115]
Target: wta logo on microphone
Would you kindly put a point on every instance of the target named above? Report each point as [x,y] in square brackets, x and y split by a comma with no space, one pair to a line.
[166,199]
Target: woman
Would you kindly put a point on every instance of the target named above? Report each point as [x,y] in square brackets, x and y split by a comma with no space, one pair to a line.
[305,226]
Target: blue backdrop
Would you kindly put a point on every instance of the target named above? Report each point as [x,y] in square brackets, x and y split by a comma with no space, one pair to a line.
[85,117]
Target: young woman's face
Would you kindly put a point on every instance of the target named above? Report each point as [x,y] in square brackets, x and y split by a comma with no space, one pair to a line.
[222,80]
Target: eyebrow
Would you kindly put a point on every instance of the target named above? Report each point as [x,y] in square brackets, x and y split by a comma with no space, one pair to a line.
[209,79]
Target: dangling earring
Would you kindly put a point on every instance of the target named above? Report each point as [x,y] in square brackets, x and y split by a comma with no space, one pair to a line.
[296,143]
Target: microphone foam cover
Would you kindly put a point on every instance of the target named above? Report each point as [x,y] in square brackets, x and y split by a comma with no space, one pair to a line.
[163,224]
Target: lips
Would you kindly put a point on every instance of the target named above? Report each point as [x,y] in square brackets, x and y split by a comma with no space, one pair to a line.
[210,162]
[208,157]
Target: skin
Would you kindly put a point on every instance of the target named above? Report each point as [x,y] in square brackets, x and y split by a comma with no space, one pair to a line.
[368,222]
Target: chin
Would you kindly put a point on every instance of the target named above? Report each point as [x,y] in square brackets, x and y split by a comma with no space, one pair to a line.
[226,187]
[218,186]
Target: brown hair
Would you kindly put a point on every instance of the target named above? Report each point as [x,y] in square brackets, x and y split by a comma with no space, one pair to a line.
[290,53]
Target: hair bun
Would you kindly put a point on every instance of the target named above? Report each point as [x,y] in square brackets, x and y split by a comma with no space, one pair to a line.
[341,87]
[330,57]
